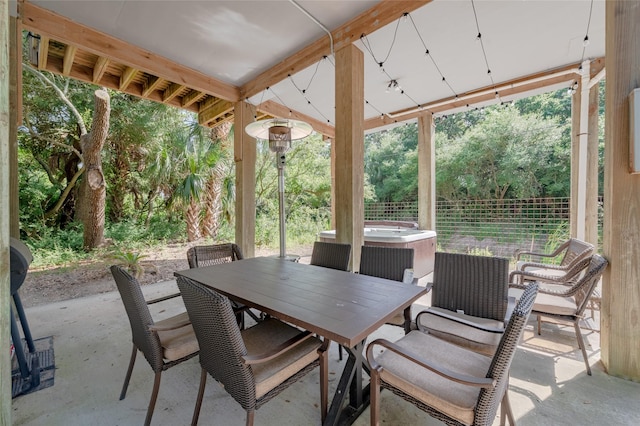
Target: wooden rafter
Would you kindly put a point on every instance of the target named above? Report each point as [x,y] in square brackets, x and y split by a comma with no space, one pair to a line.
[192,97]
[151,85]
[172,91]
[127,77]
[373,19]
[99,68]
[43,52]
[214,111]
[67,62]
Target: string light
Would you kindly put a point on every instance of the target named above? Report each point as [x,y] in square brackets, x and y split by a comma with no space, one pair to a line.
[303,92]
[585,41]
[484,52]
[393,82]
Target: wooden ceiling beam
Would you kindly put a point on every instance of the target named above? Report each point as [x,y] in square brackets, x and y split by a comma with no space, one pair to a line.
[99,68]
[127,77]
[67,62]
[151,85]
[192,97]
[367,22]
[219,109]
[171,92]
[49,24]
[274,109]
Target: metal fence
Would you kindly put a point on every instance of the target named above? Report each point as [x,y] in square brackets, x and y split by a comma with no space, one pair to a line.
[496,227]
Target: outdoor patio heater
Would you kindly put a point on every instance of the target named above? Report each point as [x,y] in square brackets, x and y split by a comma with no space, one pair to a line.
[280,132]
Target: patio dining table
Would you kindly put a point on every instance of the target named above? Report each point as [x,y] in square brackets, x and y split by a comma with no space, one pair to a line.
[340,306]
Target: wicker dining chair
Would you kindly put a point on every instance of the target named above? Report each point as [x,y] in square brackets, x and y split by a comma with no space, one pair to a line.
[253,365]
[533,269]
[164,343]
[469,301]
[331,255]
[215,254]
[392,263]
[568,303]
[452,384]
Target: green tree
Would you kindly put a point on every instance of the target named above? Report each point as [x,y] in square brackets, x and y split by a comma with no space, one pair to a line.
[507,155]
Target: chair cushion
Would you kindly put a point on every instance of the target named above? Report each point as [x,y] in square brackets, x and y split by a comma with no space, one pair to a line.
[548,303]
[265,336]
[177,343]
[454,399]
[461,334]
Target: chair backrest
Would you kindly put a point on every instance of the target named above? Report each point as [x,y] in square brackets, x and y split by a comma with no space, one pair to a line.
[576,250]
[386,262]
[490,398]
[215,254]
[220,340]
[331,255]
[139,317]
[476,285]
[585,286]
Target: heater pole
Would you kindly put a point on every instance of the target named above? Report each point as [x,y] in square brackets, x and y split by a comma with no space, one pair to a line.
[283,232]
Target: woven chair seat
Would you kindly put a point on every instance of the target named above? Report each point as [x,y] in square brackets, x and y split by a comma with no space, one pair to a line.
[262,338]
[455,399]
[552,304]
[179,342]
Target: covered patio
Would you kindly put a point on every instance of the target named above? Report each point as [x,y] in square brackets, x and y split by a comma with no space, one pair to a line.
[242,61]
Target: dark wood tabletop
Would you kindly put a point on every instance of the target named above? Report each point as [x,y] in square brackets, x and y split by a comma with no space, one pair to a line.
[341,306]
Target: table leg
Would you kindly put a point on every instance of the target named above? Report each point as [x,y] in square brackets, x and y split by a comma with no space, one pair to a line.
[351,382]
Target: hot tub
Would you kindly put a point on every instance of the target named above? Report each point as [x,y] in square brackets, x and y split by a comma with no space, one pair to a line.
[423,243]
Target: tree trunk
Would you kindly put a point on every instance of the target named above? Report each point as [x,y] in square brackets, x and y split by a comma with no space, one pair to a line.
[193,230]
[93,188]
[212,199]
[213,190]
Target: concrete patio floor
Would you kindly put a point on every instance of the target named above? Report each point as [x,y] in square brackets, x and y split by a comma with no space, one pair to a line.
[92,344]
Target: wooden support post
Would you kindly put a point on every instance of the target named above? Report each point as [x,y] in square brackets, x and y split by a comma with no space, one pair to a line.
[426,172]
[592,205]
[5,360]
[620,328]
[244,154]
[15,119]
[333,183]
[349,150]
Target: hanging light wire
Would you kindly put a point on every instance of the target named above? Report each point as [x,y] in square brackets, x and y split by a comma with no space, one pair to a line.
[303,92]
[367,45]
[585,41]
[484,52]
[428,53]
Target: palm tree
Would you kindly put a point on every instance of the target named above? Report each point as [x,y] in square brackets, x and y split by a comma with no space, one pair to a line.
[213,202]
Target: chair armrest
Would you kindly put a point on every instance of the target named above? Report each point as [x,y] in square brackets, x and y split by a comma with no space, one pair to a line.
[524,266]
[532,276]
[459,321]
[278,350]
[483,382]
[175,326]
[163,298]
